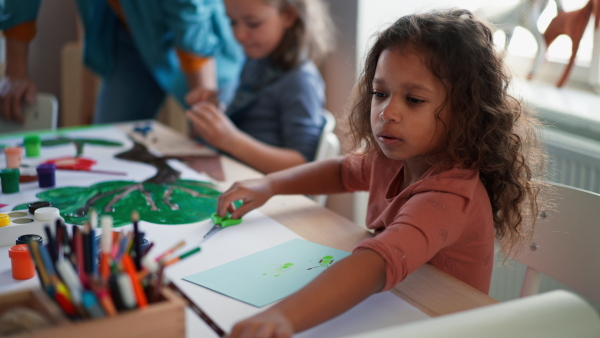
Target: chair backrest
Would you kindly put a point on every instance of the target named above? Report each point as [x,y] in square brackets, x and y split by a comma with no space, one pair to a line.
[329,147]
[41,115]
[565,245]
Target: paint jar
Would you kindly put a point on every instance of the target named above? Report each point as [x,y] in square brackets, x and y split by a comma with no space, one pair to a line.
[46,175]
[24,239]
[46,214]
[33,145]
[4,220]
[13,157]
[21,262]
[36,205]
[10,180]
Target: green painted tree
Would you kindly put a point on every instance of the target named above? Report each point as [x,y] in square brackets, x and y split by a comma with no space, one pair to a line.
[163,198]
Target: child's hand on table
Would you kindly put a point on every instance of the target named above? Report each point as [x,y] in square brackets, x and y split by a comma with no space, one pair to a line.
[270,323]
[253,193]
[213,126]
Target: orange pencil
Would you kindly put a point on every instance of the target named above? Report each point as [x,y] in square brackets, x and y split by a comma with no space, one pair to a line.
[130,269]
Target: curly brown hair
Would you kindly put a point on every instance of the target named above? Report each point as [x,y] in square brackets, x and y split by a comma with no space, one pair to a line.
[490,130]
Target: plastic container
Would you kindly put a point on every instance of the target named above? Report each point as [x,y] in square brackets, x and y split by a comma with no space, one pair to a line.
[33,145]
[46,175]
[14,155]
[21,262]
[4,220]
[10,180]
[24,239]
[36,205]
[46,214]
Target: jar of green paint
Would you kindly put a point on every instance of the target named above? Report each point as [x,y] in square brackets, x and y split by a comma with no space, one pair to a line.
[10,180]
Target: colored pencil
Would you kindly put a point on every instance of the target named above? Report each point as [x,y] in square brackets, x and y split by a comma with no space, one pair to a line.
[171,250]
[198,311]
[129,266]
[106,245]
[182,256]
[137,240]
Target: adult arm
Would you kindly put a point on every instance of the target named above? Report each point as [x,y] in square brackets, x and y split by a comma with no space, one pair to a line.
[195,40]
[16,88]
[18,25]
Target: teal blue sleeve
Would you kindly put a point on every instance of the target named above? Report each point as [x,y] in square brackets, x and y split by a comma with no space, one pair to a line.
[14,12]
[192,23]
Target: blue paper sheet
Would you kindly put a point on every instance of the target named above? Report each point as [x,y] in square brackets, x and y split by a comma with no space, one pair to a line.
[269,275]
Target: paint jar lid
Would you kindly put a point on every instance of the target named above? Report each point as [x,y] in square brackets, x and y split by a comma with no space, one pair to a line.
[10,172]
[18,251]
[46,168]
[24,239]
[39,204]
[46,214]
[13,150]
[32,139]
[4,220]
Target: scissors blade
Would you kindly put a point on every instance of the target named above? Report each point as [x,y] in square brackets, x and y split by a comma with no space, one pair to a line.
[215,228]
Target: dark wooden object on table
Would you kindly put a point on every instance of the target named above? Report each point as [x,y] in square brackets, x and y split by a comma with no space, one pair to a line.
[209,164]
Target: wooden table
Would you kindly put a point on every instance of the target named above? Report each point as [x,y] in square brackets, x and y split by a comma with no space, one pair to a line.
[428,289]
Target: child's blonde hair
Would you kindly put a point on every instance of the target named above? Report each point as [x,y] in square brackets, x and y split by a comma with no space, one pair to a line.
[490,130]
[310,36]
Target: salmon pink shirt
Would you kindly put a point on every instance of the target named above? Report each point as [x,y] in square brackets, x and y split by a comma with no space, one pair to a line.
[444,219]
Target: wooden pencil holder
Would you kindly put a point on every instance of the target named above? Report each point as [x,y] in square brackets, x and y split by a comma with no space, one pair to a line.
[165,318]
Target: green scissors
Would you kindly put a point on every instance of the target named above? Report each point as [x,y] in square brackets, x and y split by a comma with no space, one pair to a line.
[222,222]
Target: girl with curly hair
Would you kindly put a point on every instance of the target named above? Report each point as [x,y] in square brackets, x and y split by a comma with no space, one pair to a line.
[449,158]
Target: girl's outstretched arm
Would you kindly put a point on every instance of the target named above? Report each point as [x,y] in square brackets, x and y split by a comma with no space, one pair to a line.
[335,291]
[313,178]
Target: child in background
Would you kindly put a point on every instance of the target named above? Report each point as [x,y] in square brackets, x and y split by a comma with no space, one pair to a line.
[276,117]
[448,156]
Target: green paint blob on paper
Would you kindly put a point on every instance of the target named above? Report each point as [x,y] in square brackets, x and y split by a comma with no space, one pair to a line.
[181,202]
[280,269]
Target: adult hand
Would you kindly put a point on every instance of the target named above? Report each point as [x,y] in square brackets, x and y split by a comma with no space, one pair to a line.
[213,126]
[268,324]
[253,193]
[199,95]
[13,94]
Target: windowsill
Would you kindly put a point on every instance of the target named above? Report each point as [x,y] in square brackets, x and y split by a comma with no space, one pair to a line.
[572,110]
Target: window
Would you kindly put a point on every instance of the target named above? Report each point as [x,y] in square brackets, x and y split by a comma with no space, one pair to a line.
[375,15]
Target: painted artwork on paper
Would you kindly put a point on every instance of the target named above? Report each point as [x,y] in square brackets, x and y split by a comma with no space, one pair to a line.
[289,267]
[162,199]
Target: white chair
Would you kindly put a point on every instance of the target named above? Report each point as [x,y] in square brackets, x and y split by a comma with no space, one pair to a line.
[329,147]
[565,245]
[41,115]
[555,314]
